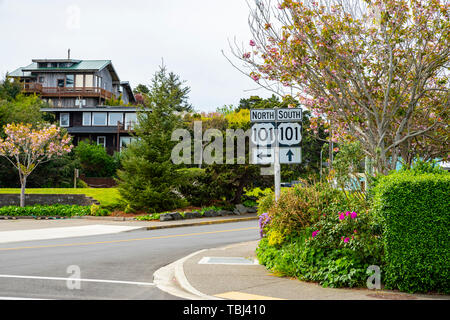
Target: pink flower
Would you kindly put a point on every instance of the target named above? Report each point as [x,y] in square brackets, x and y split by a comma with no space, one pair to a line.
[315,233]
[246,55]
[341,216]
[252,43]
[255,76]
[353,215]
[346,240]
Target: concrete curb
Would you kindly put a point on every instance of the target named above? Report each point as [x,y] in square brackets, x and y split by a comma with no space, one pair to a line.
[200,223]
[172,279]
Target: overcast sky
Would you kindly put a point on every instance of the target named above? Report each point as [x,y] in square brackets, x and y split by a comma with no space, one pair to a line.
[135,34]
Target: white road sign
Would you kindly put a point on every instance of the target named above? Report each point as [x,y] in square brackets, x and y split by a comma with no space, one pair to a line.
[289,133]
[289,115]
[291,155]
[263,155]
[277,128]
[272,115]
[262,115]
[263,134]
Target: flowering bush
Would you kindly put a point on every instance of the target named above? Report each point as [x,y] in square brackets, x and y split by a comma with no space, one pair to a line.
[335,251]
[360,233]
[301,207]
[264,220]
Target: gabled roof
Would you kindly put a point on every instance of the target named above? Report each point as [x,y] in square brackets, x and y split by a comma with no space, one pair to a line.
[126,86]
[78,65]
[20,73]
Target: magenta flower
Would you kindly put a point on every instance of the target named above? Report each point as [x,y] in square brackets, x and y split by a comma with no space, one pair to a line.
[353,215]
[347,213]
[341,216]
[315,233]
[252,43]
[346,240]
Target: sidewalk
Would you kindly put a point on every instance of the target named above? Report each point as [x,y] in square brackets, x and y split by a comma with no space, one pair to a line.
[220,280]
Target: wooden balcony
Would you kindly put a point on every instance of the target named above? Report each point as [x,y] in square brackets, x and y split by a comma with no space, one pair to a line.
[125,127]
[62,92]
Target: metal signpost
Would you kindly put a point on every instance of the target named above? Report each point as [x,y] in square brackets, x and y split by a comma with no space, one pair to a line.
[277,134]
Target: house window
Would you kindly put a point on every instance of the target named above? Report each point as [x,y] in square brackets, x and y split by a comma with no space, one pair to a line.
[101,140]
[79,81]
[60,83]
[89,80]
[125,142]
[114,118]
[130,120]
[87,118]
[99,118]
[41,79]
[70,80]
[64,119]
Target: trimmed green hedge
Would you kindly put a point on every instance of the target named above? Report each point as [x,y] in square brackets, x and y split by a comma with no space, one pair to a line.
[45,211]
[416,217]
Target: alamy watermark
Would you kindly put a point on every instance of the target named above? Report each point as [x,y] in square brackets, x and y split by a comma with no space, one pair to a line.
[207,147]
[374,281]
[74,280]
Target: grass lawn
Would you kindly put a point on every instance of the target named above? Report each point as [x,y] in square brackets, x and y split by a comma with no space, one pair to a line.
[105,196]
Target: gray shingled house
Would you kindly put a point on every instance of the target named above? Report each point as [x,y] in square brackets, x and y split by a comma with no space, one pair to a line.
[77,92]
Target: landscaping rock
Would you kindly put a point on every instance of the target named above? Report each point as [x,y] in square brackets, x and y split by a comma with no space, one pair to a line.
[165,217]
[210,213]
[241,208]
[176,215]
[252,210]
[236,212]
[192,215]
[224,213]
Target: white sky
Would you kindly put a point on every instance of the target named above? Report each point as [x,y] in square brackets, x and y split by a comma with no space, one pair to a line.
[135,34]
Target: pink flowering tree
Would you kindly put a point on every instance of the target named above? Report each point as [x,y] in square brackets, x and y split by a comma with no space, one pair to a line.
[26,148]
[375,71]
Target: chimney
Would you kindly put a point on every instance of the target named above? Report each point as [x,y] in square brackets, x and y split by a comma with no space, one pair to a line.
[68,54]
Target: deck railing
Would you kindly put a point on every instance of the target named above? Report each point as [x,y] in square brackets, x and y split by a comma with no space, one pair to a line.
[66,91]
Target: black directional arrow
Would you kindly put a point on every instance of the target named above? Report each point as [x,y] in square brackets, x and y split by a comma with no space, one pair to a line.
[261,155]
[290,154]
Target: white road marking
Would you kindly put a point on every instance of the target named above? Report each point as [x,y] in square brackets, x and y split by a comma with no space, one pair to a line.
[20,298]
[77,279]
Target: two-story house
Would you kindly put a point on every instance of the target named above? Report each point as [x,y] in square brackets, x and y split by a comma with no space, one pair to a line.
[77,92]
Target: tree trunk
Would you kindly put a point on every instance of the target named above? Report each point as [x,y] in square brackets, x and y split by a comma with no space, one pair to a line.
[22,191]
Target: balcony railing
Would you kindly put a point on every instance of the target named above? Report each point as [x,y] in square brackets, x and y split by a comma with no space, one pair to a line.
[66,91]
[125,127]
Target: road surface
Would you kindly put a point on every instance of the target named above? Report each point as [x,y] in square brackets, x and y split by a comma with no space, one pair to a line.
[114,266]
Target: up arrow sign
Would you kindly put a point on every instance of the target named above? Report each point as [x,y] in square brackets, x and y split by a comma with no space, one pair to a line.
[290,154]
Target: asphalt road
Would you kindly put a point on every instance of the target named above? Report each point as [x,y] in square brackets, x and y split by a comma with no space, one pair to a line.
[116,266]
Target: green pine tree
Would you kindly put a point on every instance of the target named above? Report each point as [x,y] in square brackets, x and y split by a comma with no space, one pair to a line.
[148,177]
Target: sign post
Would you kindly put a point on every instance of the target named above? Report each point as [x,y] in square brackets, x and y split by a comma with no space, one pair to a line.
[276,165]
[277,134]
